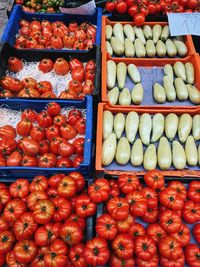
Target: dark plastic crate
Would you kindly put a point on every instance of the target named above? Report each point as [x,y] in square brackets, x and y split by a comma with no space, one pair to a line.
[17,14]
[6,51]
[38,106]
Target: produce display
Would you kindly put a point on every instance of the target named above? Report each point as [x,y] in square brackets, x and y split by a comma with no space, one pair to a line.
[139,10]
[55,35]
[51,138]
[44,222]
[147,41]
[151,224]
[41,6]
[128,84]
[47,79]
[163,141]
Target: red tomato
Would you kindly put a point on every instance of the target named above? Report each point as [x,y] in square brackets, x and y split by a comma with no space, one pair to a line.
[75,218]
[15,64]
[123,246]
[71,233]
[7,131]
[118,208]
[29,114]
[14,159]
[55,143]
[183,235]
[52,132]
[79,179]
[4,225]
[62,209]
[84,206]
[11,260]
[45,65]
[138,203]
[29,161]
[35,25]
[169,198]
[73,26]
[29,82]
[66,149]
[77,161]
[24,127]
[67,131]
[170,248]
[7,240]
[170,221]
[99,190]
[151,215]
[73,116]
[106,227]
[196,232]
[180,188]
[191,212]
[67,187]
[192,255]
[154,179]
[128,183]
[80,126]
[133,10]
[46,234]
[110,6]
[39,259]
[29,146]
[74,64]
[121,7]
[37,133]
[63,162]
[153,262]
[123,226]
[24,22]
[155,232]
[39,183]
[116,262]
[192,4]
[44,87]
[151,197]
[78,74]
[29,92]
[14,210]
[5,196]
[69,39]
[25,251]
[56,43]
[68,95]
[79,146]
[145,247]
[59,120]
[43,211]
[139,19]
[53,109]
[76,255]
[61,66]
[19,189]
[178,263]
[76,86]
[194,191]
[96,252]
[144,10]
[91,32]
[54,180]
[44,119]
[25,227]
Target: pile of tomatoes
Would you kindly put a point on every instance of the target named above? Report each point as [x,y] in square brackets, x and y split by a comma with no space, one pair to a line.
[55,35]
[47,139]
[139,9]
[48,6]
[82,82]
[146,225]
[43,223]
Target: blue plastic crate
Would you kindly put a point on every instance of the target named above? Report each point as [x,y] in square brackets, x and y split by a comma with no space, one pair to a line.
[38,106]
[17,14]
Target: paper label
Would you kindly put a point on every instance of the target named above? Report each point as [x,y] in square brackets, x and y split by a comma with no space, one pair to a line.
[184,23]
[86,9]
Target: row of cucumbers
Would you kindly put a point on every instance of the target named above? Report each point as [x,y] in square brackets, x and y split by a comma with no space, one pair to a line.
[120,132]
[141,42]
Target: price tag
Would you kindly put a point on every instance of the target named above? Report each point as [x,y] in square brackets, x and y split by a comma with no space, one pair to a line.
[86,9]
[184,23]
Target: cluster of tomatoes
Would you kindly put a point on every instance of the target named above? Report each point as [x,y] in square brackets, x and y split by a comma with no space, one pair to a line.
[165,210]
[43,223]
[48,6]
[55,35]
[47,139]
[82,82]
[139,9]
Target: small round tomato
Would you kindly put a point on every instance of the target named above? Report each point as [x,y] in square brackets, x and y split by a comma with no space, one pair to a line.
[123,246]
[25,251]
[71,233]
[110,6]
[59,120]
[118,208]
[45,65]
[84,206]
[145,247]
[96,252]
[121,7]
[43,211]
[19,189]
[106,227]
[61,66]
[67,187]
[139,19]
[66,149]
[79,146]
[170,248]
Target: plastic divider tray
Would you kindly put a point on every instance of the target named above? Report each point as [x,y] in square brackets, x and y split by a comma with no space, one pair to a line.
[17,14]
[151,72]
[115,168]
[39,106]
[6,51]
[106,21]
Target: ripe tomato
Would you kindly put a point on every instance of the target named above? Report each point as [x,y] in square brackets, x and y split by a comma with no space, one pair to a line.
[37,133]
[153,262]
[29,82]
[24,127]
[154,179]
[71,233]
[133,10]
[69,39]
[39,259]
[7,240]
[170,221]
[57,255]
[151,197]
[191,212]
[192,255]
[128,183]
[4,225]
[77,161]
[73,116]
[144,10]
[63,162]
[170,248]
[66,149]
[67,187]
[73,26]
[155,232]
[75,86]
[5,196]
[169,198]
[7,131]
[29,161]
[84,206]
[11,260]
[19,189]
[121,7]
[43,211]
[116,262]
[7,146]
[44,119]
[180,188]
[178,263]
[75,218]
[29,146]
[183,235]
[14,210]
[61,66]
[99,190]
[151,215]
[62,209]
[25,227]
[79,179]
[96,252]
[110,6]
[80,126]
[44,87]
[46,234]
[28,92]
[192,4]
[45,65]
[145,247]
[53,109]
[139,19]
[52,132]
[29,114]
[118,208]
[25,251]
[124,225]
[39,183]
[79,146]
[76,255]
[138,203]
[78,74]
[123,246]
[106,227]
[68,95]
[194,191]
[68,132]
[56,43]
[15,64]
[196,232]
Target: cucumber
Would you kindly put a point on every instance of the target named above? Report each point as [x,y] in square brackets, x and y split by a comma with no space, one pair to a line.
[137,153]
[191,151]
[184,127]
[150,158]
[108,120]
[137,94]
[123,151]
[194,94]
[171,125]
[168,70]
[109,144]
[131,126]
[119,124]
[178,155]
[158,125]
[179,70]
[125,97]
[145,127]
[164,154]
